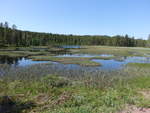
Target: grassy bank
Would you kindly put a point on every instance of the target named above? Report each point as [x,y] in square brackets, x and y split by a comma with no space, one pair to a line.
[139,65]
[117,51]
[53,50]
[30,51]
[103,92]
[67,60]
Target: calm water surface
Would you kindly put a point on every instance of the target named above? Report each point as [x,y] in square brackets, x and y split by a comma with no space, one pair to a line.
[85,55]
[112,64]
[118,64]
[70,46]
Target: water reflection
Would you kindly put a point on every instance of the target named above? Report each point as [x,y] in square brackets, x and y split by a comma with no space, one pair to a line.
[18,61]
[9,60]
[84,55]
[116,63]
[70,46]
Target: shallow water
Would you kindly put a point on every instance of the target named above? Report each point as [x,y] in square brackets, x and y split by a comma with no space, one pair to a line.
[118,64]
[27,62]
[70,46]
[112,64]
[85,55]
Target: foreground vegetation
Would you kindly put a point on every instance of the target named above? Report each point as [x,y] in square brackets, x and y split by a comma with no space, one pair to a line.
[105,92]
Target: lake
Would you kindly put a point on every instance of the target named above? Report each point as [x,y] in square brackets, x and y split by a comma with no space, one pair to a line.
[111,64]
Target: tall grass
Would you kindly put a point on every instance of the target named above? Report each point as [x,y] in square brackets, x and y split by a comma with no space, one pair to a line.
[53,89]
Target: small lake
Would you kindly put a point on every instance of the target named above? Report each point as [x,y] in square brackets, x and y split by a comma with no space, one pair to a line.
[112,64]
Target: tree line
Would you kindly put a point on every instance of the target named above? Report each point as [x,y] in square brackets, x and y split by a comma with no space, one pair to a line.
[11,36]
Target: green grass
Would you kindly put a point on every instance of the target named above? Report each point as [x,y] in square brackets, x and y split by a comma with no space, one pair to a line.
[50,50]
[140,65]
[67,60]
[117,51]
[56,94]
[84,63]
[20,53]
[29,51]
[10,54]
[103,58]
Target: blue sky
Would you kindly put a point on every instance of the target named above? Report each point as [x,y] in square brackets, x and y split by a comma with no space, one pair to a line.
[80,17]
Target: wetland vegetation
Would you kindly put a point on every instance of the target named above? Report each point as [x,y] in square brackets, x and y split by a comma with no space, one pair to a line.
[52,73]
[87,79]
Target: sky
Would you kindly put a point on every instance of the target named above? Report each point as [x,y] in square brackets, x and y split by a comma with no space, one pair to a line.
[79,17]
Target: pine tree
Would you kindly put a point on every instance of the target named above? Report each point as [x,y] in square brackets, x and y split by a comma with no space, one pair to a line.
[148,41]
